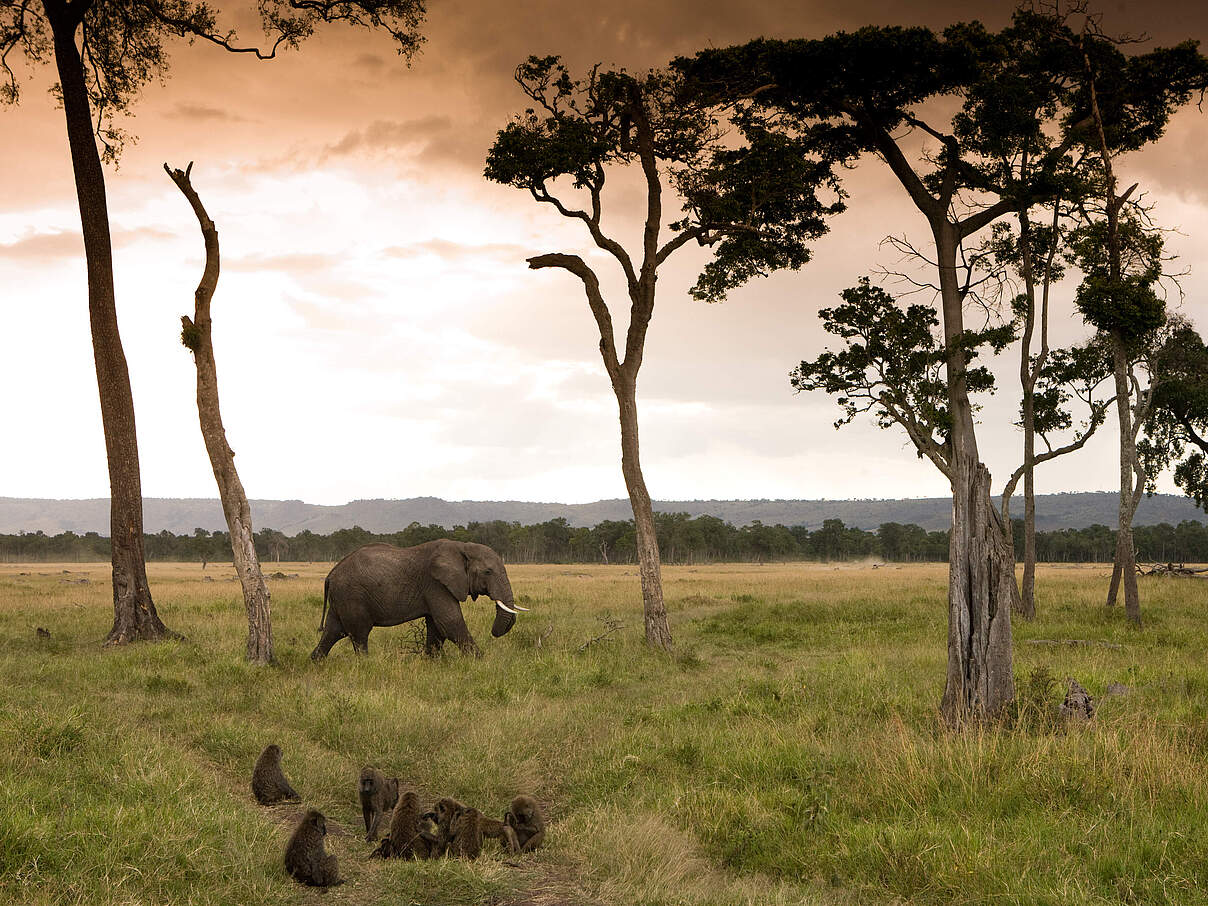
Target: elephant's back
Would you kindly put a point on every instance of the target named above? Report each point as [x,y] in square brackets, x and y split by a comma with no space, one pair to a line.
[373,568]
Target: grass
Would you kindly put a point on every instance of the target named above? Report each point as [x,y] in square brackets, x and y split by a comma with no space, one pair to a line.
[789,752]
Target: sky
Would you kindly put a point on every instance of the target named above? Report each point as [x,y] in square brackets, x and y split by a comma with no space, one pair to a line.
[377,332]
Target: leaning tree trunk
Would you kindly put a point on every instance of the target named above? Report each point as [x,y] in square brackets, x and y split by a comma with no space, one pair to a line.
[134,614]
[981,570]
[658,630]
[196,335]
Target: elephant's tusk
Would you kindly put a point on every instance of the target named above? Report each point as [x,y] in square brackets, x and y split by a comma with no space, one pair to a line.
[504,606]
[525,609]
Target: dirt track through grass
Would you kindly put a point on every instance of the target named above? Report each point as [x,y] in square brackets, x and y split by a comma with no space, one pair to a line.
[788,752]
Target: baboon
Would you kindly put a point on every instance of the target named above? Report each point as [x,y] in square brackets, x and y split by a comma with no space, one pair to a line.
[526,819]
[446,808]
[379,793]
[412,835]
[268,780]
[465,832]
[305,858]
[43,634]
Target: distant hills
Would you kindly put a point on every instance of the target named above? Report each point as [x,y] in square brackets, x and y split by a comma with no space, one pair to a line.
[183,515]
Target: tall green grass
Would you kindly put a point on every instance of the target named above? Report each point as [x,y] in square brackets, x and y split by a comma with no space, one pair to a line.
[788,752]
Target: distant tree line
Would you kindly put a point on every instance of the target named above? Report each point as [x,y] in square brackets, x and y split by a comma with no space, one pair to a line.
[683,539]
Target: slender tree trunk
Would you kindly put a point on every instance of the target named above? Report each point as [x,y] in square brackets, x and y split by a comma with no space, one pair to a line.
[197,337]
[1125,567]
[658,630]
[981,572]
[134,614]
[1028,592]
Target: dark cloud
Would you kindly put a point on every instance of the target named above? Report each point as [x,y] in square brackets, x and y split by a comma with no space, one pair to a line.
[370,62]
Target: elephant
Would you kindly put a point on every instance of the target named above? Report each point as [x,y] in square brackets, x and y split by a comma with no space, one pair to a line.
[383,585]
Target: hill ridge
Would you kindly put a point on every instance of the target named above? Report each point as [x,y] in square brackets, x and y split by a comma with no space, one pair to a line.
[1077,509]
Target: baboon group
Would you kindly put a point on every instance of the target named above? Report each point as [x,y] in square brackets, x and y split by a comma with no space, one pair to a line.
[449,828]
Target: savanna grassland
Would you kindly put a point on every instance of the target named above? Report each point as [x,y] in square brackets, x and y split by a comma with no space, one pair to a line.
[788,752]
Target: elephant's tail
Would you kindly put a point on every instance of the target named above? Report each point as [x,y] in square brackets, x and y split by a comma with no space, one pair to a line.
[323,616]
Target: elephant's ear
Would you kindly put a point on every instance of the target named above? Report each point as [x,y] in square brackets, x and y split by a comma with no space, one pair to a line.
[449,569]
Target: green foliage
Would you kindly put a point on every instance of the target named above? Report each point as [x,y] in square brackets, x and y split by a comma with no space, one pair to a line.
[1071,371]
[756,202]
[1176,430]
[190,334]
[893,365]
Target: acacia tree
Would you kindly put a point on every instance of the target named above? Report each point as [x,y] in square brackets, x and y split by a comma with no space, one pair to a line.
[752,197]
[1176,430]
[891,367]
[1130,100]
[1049,378]
[104,52]
[197,336]
[864,92]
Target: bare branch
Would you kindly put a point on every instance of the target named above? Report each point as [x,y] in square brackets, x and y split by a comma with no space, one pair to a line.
[591,286]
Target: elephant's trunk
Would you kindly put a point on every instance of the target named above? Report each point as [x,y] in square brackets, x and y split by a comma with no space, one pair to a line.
[504,618]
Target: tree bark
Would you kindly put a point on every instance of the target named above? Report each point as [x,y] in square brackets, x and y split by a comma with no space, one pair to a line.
[134,613]
[981,572]
[658,630]
[197,337]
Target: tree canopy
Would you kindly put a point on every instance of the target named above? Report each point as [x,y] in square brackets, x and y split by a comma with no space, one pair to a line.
[756,197]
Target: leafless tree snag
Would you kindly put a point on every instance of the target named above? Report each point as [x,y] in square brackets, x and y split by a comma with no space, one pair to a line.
[196,335]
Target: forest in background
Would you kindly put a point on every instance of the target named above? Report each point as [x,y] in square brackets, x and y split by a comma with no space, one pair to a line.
[681,538]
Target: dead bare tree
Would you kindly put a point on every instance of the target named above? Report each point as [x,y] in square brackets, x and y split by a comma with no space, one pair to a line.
[196,335]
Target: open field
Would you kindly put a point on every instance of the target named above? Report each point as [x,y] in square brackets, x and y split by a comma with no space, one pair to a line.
[789,752]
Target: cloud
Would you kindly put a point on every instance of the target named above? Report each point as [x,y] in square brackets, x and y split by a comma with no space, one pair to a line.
[58,244]
[390,135]
[450,252]
[369,61]
[201,113]
[290,262]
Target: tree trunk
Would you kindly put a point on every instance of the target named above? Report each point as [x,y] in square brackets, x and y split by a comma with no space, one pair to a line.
[134,614]
[658,630]
[981,571]
[1028,592]
[197,337]
[1125,566]
[981,581]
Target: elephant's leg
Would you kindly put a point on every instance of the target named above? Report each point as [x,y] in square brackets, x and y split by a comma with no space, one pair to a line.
[445,612]
[332,633]
[434,641]
[360,641]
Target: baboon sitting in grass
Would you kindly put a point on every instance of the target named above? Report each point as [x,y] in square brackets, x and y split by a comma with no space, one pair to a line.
[446,808]
[305,858]
[412,835]
[268,780]
[465,832]
[527,820]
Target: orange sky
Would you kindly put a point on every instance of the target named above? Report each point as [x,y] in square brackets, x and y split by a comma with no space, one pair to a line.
[377,331]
